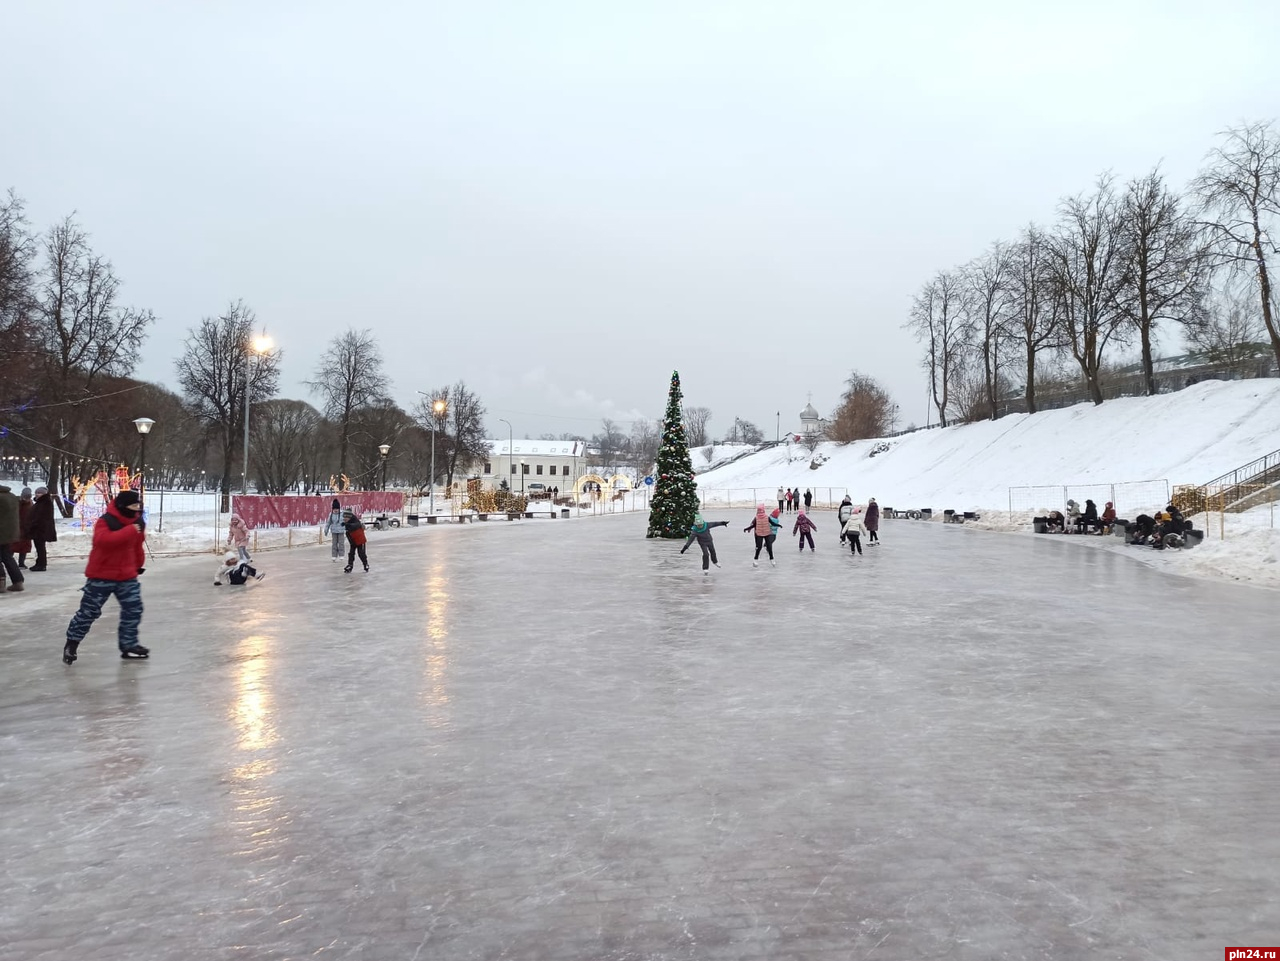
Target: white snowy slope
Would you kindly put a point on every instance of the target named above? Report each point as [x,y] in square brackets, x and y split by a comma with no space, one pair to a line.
[1187,437]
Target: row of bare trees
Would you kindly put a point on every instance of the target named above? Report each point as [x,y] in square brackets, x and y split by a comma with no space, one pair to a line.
[1121,263]
[68,347]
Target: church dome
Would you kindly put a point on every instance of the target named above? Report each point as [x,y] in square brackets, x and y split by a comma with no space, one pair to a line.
[809,413]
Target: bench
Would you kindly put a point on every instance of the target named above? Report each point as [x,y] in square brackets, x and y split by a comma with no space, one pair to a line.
[951,517]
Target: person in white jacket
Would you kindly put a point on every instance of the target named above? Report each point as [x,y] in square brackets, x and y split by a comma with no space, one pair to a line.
[853,531]
[236,570]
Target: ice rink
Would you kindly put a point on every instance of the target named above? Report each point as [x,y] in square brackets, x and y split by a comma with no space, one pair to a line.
[558,741]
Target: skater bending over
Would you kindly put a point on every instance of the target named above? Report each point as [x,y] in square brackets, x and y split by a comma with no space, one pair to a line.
[356,538]
[235,570]
[762,526]
[701,532]
[115,561]
[804,527]
[853,532]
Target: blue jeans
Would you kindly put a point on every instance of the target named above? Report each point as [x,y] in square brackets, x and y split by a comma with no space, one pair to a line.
[96,592]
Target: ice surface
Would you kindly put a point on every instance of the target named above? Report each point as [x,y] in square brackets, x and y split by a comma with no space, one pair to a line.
[558,740]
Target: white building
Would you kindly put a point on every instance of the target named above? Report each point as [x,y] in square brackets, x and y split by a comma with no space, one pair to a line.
[521,462]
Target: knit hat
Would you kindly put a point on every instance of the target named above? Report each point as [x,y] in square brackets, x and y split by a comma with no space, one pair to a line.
[126,499]
[761,510]
[26,493]
[230,557]
[41,490]
[335,505]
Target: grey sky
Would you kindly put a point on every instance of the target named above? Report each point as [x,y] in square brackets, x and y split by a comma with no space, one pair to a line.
[561,202]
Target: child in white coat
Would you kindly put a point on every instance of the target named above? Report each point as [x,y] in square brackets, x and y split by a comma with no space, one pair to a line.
[853,531]
[235,570]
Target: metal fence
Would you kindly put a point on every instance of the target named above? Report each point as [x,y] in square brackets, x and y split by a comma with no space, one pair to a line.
[1128,497]
[823,497]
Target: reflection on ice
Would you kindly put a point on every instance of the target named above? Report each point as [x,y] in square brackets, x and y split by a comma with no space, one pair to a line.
[251,714]
[436,653]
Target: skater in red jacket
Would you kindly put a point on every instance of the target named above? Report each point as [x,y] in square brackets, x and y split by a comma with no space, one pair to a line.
[115,561]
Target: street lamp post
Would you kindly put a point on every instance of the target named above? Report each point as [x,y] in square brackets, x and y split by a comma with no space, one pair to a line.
[777,432]
[143,425]
[259,346]
[511,451]
[384,450]
[522,477]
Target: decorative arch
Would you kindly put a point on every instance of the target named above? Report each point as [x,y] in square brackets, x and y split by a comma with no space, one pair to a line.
[582,481]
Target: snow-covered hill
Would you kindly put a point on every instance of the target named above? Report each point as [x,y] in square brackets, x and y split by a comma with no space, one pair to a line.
[1187,437]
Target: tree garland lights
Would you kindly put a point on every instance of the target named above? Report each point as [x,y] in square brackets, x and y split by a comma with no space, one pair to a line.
[675,498]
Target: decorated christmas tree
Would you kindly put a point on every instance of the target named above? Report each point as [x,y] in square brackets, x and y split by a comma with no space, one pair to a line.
[675,498]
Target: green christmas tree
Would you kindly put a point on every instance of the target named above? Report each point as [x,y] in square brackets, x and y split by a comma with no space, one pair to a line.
[675,498]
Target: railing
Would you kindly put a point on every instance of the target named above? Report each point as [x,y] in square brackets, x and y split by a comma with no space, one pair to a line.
[1235,491]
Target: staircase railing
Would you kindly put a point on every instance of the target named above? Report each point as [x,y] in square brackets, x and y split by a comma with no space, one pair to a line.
[1254,483]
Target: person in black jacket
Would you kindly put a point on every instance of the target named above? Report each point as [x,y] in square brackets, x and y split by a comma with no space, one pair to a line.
[356,538]
[701,532]
[1089,519]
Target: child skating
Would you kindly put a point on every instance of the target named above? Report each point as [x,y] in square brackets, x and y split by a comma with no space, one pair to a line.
[356,538]
[116,559]
[238,537]
[762,526]
[236,571]
[804,527]
[334,529]
[853,532]
[701,532]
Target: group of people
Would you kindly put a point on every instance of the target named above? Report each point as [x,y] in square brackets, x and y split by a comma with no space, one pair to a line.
[767,525]
[26,521]
[1155,530]
[1077,521]
[790,498]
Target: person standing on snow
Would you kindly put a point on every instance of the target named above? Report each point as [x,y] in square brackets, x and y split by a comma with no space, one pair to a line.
[115,561]
[804,526]
[333,527]
[356,538]
[852,531]
[701,532]
[808,498]
[871,520]
[238,537]
[788,499]
[782,499]
[765,537]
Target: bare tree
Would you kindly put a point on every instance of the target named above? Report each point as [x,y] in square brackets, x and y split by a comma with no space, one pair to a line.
[1164,271]
[865,410]
[1230,332]
[938,318]
[17,331]
[645,440]
[470,441]
[281,431]
[218,373]
[1033,304]
[989,279]
[349,377]
[695,425]
[82,332]
[1239,193]
[1089,258]
[609,443]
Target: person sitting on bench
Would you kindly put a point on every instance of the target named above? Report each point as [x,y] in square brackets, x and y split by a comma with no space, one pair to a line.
[1089,519]
[1055,523]
[1108,518]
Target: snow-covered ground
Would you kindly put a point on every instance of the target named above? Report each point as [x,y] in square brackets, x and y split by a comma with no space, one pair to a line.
[1136,449]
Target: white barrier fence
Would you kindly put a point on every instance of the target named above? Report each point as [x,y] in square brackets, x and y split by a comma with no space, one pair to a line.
[1130,498]
[823,497]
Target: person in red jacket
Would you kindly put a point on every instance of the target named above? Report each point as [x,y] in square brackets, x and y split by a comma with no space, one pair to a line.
[115,561]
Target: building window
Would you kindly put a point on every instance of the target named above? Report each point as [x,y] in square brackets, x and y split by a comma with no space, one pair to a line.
[553,470]
[524,468]
[539,470]
[488,468]
[513,468]
[565,470]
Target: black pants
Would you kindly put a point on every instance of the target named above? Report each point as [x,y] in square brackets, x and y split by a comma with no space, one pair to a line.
[806,536]
[765,541]
[872,537]
[42,557]
[352,551]
[10,565]
[855,541]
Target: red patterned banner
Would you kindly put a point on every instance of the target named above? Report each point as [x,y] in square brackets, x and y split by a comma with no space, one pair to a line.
[260,511]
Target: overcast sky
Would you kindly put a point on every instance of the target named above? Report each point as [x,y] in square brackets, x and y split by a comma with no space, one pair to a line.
[561,202]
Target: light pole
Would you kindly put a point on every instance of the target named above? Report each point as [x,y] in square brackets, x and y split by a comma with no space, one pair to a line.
[143,425]
[437,408]
[777,433]
[259,346]
[384,450]
[511,451]
[522,477]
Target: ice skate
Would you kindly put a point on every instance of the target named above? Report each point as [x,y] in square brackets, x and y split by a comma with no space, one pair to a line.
[134,652]
[69,652]
[772,562]
[755,563]
[347,569]
[366,568]
[259,576]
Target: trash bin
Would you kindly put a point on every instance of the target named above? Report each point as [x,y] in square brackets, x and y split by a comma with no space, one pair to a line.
[1040,525]
[564,512]
[1192,538]
[412,519]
